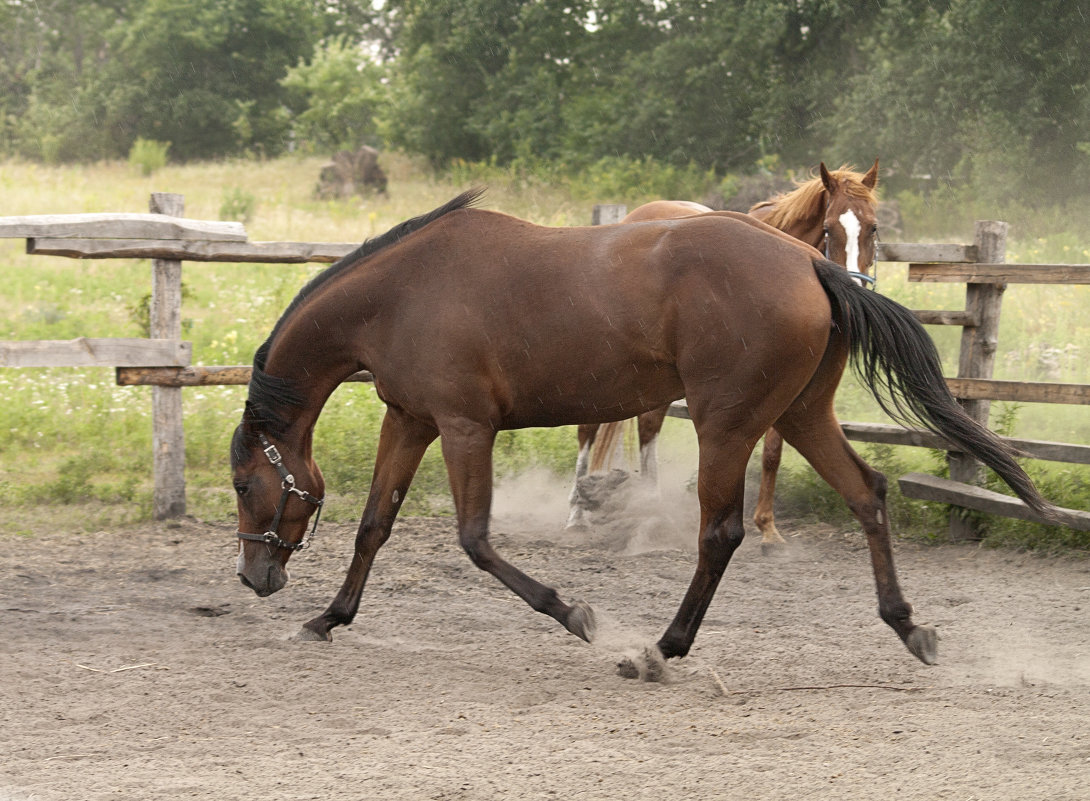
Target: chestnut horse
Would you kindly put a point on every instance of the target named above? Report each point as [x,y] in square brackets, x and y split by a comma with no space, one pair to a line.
[835,211]
[473,321]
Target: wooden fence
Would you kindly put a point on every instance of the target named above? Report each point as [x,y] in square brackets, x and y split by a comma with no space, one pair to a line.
[163,361]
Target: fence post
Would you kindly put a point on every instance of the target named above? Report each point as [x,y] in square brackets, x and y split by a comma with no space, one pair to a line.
[168,434]
[608,213]
[977,360]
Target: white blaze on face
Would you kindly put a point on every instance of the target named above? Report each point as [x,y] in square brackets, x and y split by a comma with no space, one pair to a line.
[851,231]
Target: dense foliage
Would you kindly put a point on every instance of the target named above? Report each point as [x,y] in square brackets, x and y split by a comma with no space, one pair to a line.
[965,91]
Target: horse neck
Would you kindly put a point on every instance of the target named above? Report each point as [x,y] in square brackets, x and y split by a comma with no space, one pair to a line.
[314,351]
[809,229]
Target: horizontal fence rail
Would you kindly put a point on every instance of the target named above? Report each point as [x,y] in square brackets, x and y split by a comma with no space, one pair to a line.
[164,362]
[120,226]
[86,352]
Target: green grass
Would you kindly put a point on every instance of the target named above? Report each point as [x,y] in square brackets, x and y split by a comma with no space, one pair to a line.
[71,434]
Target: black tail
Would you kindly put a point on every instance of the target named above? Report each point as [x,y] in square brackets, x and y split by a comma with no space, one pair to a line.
[894,356]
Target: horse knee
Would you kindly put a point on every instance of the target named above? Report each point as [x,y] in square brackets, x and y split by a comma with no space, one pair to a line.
[371,536]
[724,538]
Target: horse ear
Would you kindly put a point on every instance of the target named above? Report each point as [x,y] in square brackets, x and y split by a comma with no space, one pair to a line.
[870,180]
[828,180]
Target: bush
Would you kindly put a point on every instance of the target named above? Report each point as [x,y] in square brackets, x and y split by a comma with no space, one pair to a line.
[148,155]
[238,205]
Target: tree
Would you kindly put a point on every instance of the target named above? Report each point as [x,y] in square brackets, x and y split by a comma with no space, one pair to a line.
[994,97]
[51,53]
[205,74]
[336,96]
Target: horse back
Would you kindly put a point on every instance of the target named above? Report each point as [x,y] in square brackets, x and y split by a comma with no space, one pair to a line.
[554,325]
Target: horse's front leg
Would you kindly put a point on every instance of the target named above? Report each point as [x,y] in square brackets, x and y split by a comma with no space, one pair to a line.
[402,443]
[467,450]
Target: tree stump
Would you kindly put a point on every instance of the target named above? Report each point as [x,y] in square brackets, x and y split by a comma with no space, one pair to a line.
[351,173]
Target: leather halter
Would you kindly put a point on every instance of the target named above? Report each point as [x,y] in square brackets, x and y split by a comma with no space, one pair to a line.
[287,484]
[861,277]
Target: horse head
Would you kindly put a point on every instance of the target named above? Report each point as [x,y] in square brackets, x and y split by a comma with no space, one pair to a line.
[278,488]
[851,221]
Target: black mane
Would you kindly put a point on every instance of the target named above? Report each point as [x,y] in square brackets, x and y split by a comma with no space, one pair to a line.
[268,393]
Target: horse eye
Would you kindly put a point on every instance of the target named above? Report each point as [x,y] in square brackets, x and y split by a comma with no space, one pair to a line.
[241,488]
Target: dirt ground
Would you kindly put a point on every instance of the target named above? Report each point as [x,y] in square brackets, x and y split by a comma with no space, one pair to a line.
[135,665]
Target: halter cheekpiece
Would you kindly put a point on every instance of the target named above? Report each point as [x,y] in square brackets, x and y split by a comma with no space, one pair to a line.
[287,484]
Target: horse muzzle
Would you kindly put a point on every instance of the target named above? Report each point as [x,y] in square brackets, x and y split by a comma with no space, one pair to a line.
[264,575]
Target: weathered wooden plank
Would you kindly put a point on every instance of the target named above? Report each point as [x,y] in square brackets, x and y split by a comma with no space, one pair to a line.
[608,213]
[1019,391]
[86,352]
[925,252]
[120,226]
[946,317]
[198,375]
[236,252]
[943,490]
[886,434]
[300,252]
[989,273]
[679,409]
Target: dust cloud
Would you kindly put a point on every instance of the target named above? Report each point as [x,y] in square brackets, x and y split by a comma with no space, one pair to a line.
[635,517]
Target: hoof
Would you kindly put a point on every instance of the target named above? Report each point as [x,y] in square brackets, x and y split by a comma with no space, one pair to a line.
[307,634]
[923,642]
[648,665]
[581,621]
[773,548]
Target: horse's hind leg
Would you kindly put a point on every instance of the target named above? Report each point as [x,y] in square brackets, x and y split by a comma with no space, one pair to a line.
[467,450]
[763,514]
[577,514]
[402,443]
[818,437]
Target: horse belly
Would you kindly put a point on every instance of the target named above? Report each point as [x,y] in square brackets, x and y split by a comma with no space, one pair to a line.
[590,393]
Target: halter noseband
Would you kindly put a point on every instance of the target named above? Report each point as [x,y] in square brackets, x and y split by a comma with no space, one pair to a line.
[287,483]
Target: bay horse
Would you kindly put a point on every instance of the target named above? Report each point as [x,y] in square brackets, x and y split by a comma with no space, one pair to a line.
[473,321]
[835,211]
